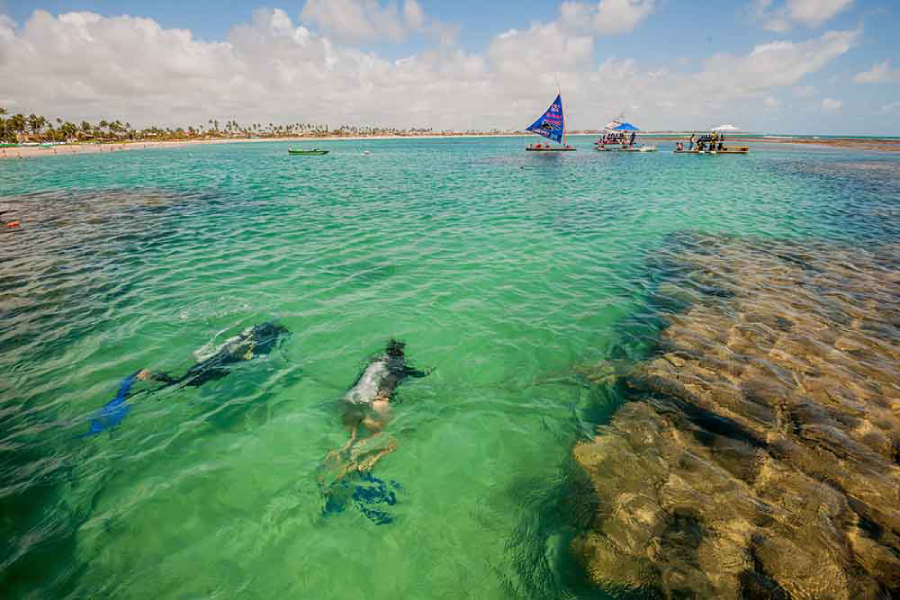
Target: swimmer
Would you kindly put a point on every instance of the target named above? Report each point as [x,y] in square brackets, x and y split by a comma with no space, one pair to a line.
[252,342]
[367,407]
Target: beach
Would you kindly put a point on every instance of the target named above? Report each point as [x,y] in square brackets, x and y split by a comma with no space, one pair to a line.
[644,375]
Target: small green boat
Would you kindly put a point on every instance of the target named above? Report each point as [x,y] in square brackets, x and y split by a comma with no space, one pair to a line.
[313,152]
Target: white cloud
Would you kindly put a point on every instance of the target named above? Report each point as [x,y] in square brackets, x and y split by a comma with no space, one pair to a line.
[814,13]
[607,17]
[83,65]
[890,107]
[413,14]
[776,64]
[811,13]
[771,103]
[616,16]
[878,73]
[831,105]
[357,21]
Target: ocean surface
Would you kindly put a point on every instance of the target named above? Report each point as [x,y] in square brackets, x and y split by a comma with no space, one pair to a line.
[506,274]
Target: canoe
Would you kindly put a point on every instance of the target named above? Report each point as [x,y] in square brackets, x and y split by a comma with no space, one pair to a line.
[313,152]
[560,149]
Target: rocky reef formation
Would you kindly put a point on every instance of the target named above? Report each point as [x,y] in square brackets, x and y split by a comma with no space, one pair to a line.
[760,454]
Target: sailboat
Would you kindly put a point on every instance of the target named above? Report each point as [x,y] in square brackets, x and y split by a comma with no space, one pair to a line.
[551,125]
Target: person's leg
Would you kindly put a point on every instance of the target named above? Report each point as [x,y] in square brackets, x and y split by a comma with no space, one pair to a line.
[336,453]
[369,463]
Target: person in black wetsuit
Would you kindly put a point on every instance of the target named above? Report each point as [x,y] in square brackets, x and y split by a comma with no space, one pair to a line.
[366,408]
[252,342]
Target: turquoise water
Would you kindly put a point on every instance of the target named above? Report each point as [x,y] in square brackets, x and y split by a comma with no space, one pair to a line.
[505,272]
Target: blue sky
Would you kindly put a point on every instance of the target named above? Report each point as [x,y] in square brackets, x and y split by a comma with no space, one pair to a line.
[818,66]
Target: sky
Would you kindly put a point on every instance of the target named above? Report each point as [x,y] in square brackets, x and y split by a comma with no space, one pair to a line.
[778,66]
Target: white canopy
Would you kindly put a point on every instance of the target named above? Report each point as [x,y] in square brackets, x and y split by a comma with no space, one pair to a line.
[726,128]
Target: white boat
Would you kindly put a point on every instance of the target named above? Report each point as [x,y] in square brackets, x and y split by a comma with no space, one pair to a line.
[619,136]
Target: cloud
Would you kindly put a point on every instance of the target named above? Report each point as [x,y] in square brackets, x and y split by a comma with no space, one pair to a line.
[771,103]
[272,68]
[355,21]
[878,73]
[890,107]
[831,105]
[804,91]
[776,64]
[814,13]
[811,13]
[607,17]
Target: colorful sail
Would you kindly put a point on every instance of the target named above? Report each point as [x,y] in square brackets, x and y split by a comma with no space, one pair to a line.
[551,124]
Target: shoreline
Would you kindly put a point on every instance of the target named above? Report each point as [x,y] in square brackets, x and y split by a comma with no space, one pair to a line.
[72,149]
[874,144]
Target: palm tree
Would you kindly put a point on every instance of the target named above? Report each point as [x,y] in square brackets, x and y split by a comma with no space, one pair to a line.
[68,130]
[36,123]
[17,123]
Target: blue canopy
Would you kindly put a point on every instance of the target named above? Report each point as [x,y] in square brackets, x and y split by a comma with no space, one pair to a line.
[550,124]
[625,127]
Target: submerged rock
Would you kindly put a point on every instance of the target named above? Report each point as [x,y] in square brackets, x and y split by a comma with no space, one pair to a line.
[760,456]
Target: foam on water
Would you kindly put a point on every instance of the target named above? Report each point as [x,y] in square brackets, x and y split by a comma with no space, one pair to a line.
[506,273]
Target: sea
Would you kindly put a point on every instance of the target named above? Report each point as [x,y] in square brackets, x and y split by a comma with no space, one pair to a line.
[506,274]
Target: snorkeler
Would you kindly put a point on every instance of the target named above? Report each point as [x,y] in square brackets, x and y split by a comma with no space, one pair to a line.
[367,406]
[252,342]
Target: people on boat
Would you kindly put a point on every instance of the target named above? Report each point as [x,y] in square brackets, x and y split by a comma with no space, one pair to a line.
[679,146]
[691,142]
[631,141]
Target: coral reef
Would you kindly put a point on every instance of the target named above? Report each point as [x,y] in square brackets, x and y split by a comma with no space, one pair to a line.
[760,454]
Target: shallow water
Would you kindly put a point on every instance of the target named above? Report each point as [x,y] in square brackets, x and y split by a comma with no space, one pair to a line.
[502,271]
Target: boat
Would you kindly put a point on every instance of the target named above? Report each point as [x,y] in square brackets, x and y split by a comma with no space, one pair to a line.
[551,125]
[618,129]
[313,152]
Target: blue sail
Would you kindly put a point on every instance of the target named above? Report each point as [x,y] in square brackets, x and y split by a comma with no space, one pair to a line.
[551,124]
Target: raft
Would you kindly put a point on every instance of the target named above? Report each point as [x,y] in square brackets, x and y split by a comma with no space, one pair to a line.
[739,150]
[619,149]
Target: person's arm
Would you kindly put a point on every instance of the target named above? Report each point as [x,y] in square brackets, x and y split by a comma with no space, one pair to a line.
[413,372]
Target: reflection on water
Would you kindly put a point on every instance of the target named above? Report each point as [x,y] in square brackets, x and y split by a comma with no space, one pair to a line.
[761,456]
[532,292]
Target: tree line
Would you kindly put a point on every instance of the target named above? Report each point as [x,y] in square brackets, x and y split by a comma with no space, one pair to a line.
[36,128]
